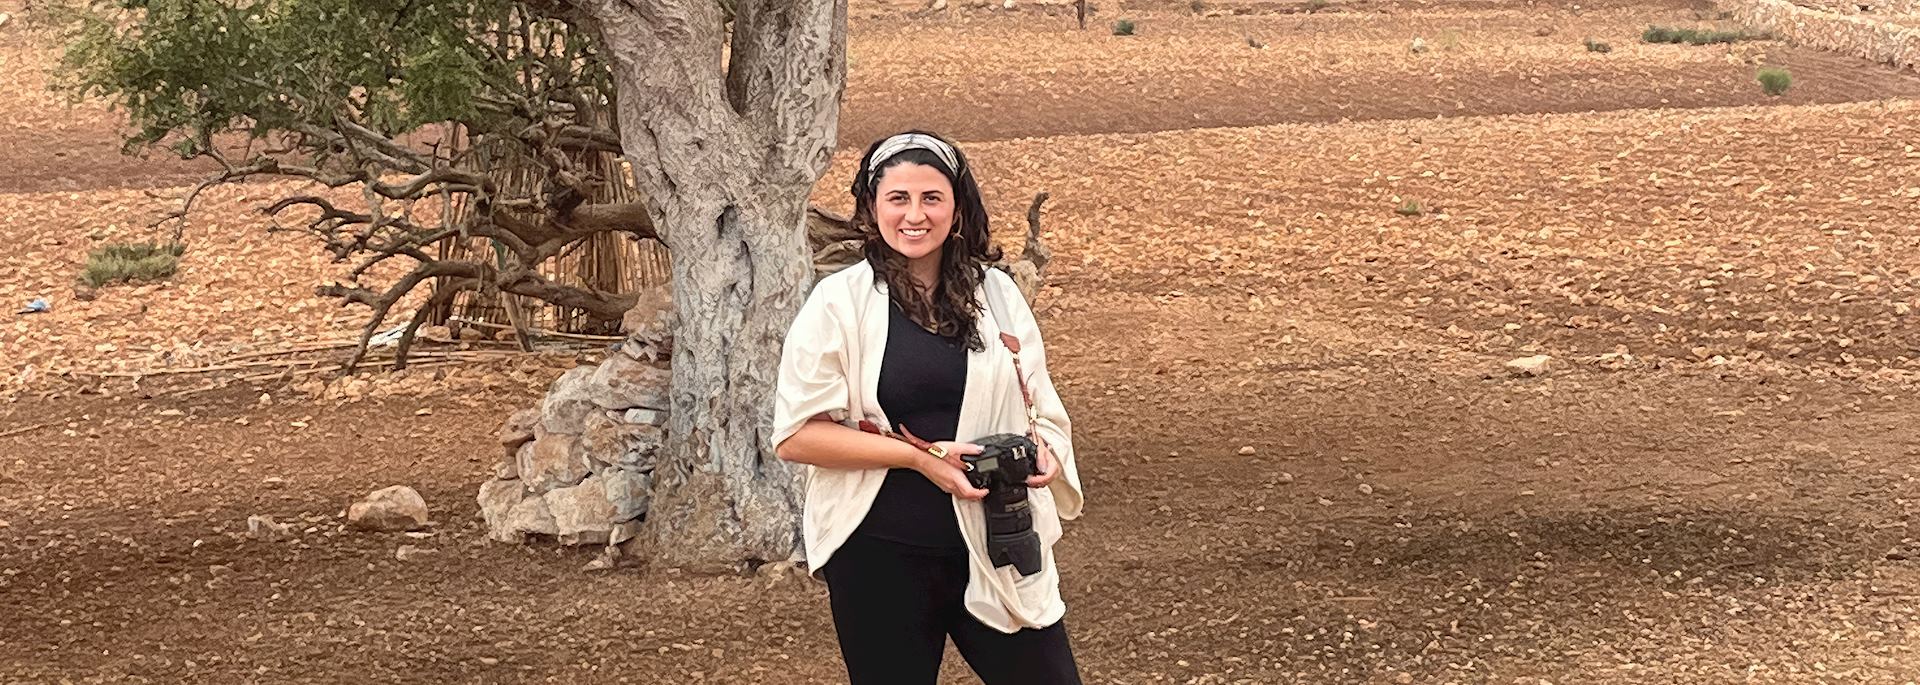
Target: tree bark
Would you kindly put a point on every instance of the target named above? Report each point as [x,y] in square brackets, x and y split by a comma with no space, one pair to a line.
[724,153]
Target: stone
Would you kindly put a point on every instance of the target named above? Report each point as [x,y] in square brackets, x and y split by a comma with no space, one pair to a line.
[265,528]
[608,440]
[606,560]
[568,402]
[650,322]
[497,499]
[623,383]
[622,532]
[777,572]
[436,333]
[552,461]
[1419,45]
[582,514]
[395,508]
[410,552]
[628,491]
[518,429]
[530,516]
[1246,451]
[1536,365]
[645,417]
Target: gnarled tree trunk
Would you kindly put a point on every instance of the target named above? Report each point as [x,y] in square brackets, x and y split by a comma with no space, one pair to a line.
[727,133]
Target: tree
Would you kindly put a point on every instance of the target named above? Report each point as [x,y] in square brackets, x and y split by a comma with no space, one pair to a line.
[728,125]
[726,113]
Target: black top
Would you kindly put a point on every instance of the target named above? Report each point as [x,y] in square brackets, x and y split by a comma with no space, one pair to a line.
[923,377]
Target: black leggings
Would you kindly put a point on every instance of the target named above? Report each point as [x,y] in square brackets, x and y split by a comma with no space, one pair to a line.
[894,606]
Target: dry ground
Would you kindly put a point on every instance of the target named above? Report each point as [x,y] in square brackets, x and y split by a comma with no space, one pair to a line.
[1714,485]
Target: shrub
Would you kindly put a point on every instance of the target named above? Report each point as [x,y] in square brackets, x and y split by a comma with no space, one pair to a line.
[1123,27]
[1409,208]
[1774,80]
[129,262]
[1597,46]
[1662,34]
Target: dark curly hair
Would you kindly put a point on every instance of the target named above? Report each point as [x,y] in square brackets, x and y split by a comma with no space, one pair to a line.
[951,311]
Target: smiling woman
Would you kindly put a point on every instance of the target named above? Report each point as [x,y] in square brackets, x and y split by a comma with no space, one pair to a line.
[897,527]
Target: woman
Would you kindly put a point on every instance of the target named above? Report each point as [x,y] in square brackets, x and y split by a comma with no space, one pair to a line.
[910,339]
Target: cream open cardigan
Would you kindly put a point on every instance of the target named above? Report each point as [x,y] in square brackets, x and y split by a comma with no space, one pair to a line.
[830,364]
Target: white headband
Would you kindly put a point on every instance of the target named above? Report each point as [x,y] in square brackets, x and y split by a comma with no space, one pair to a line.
[911,141]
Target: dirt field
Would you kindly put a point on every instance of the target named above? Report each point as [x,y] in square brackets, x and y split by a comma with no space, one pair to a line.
[1712,485]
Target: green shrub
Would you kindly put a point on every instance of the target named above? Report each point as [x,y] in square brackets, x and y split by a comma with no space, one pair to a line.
[1123,27]
[1774,80]
[130,262]
[1662,34]
[1597,46]
[1409,208]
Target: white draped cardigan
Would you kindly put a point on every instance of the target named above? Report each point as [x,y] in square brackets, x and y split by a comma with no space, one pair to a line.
[830,363]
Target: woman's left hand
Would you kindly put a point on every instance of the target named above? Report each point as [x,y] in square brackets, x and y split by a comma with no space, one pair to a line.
[1047,466]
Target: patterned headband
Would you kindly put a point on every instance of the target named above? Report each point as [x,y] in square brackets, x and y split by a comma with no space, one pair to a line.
[911,141]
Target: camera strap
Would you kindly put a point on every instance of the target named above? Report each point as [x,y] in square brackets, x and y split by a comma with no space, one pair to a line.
[1012,344]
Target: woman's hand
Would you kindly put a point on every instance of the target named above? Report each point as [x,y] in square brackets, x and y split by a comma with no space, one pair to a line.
[1045,463]
[950,473]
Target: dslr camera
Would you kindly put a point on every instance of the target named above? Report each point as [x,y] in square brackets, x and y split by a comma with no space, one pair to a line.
[1001,468]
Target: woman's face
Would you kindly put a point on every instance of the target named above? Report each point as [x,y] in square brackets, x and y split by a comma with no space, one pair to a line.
[914,207]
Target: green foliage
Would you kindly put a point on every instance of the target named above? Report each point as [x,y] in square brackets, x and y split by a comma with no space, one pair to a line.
[1409,208]
[1597,46]
[1661,34]
[1774,80]
[1123,27]
[129,262]
[190,69]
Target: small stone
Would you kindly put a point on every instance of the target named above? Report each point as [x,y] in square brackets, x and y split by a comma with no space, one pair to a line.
[265,528]
[605,561]
[645,417]
[172,412]
[1247,451]
[1285,477]
[395,508]
[1366,489]
[518,430]
[489,661]
[1536,365]
[410,552]
[423,411]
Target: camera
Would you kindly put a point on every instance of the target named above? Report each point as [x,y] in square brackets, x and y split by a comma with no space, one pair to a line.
[1001,468]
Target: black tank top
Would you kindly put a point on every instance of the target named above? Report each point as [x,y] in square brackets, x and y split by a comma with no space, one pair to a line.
[923,378]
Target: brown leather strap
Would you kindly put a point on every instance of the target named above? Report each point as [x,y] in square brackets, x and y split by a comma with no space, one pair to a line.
[1013,346]
[905,436]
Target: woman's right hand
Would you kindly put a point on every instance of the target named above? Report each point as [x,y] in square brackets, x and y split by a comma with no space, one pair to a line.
[950,473]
